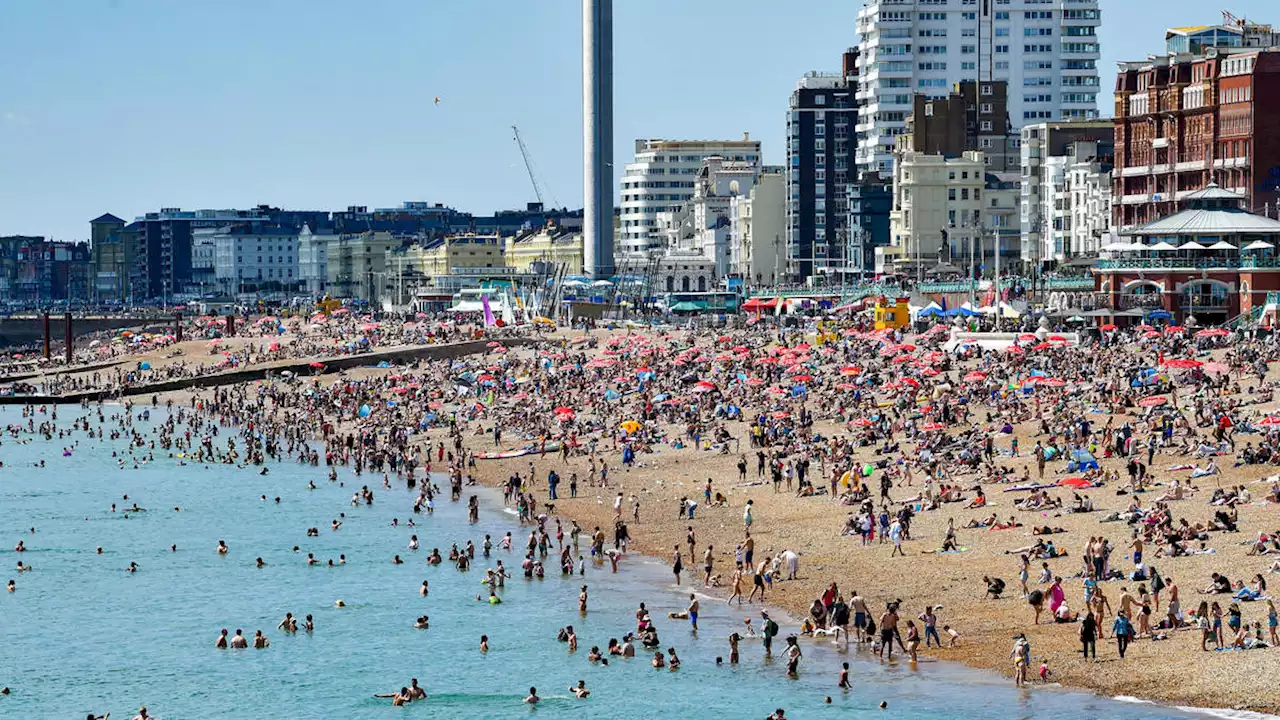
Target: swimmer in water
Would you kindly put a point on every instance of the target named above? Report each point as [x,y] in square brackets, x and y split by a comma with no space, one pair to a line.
[533,696]
[260,641]
[424,589]
[221,643]
[23,568]
[484,643]
[261,563]
[12,586]
[133,568]
[238,642]
[580,690]
[222,547]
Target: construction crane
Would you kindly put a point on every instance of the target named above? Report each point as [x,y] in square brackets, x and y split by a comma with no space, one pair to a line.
[528,164]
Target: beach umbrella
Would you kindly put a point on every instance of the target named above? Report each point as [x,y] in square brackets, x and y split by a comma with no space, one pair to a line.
[1153,401]
[754,382]
[1183,363]
[861,422]
[1173,329]
[1268,421]
[1107,327]
[1055,382]
[850,370]
[846,386]
[975,376]
[781,415]
[630,426]
[1077,483]
[1212,332]
[933,427]
[802,378]
[316,364]
[1027,337]
[1216,367]
[1056,338]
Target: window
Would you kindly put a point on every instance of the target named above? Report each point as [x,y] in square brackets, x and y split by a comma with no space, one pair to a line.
[967,49]
[819,99]
[932,65]
[1002,15]
[1002,32]
[1002,64]
[1038,15]
[985,107]
[964,193]
[1037,32]
[968,66]
[1039,48]
[932,49]
[932,32]
[1037,65]
[986,125]
[968,16]
[932,82]
[1000,49]
[931,16]
[951,193]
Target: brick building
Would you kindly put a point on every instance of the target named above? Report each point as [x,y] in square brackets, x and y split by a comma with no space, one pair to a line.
[1185,121]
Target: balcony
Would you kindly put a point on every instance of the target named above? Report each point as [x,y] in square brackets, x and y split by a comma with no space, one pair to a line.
[1135,199]
[1189,165]
[1157,143]
[1179,263]
[1236,162]
[1205,303]
[1140,301]
[1135,170]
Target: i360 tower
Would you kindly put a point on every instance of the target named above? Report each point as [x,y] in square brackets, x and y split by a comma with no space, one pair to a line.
[597,136]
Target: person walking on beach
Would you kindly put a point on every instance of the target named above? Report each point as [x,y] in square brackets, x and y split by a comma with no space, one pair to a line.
[676,564]
[736,586]
[693,611]
[708,560]
[1021,655]
[1089,636]
[1123,630]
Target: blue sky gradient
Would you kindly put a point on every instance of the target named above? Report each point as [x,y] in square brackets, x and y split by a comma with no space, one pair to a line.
[126,106]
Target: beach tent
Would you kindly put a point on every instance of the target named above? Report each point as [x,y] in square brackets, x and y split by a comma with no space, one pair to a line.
[1083,460]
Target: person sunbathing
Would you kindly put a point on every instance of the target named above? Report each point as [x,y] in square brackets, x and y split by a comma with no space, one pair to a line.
[988,521]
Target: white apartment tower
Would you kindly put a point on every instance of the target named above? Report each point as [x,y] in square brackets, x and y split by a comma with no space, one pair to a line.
[661,179]
[1047,50]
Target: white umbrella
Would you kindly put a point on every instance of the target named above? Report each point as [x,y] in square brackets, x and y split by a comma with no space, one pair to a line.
[1193,245]
[1160,247]
[1222,245]
[1259,245]
[1112,247]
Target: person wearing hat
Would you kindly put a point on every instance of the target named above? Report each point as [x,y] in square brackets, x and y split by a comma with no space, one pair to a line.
[769,629]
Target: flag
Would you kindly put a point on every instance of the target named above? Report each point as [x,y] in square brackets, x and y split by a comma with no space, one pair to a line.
[488,314]
[778,310]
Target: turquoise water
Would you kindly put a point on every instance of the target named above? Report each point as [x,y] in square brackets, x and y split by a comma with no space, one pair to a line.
[82,635]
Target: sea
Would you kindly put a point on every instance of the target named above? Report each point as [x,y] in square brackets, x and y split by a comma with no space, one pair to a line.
[81,635]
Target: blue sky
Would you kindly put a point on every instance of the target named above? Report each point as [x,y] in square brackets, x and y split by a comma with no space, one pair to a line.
[126,106]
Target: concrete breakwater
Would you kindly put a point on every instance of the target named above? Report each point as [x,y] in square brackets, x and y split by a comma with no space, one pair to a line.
[301,366]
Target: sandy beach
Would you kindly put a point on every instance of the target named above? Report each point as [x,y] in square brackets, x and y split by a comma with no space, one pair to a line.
[1171,670]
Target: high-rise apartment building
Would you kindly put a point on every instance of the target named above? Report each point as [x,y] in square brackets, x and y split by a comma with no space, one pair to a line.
[661,179]
[1047,51]
[820,152]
